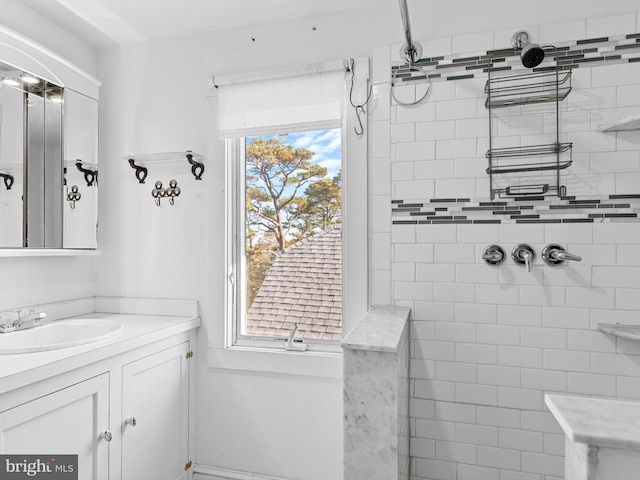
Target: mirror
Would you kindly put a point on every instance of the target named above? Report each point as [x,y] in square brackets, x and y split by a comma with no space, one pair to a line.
[80,195]
[48,163]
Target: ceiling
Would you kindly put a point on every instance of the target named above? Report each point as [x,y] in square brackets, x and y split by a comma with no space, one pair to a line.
[104,23]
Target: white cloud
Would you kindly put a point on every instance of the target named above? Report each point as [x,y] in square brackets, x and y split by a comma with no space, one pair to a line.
[325,144]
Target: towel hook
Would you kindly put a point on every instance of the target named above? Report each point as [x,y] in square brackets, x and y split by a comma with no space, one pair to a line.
[360,107]
[172,191]
[73,196]
[158,192]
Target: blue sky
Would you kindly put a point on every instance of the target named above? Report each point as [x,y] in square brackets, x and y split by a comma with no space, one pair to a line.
[325,144]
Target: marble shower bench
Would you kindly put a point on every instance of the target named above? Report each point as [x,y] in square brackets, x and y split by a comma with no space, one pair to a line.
[376,396]
[602,437]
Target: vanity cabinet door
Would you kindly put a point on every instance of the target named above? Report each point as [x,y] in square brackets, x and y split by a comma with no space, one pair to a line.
[155,391]
[68,421]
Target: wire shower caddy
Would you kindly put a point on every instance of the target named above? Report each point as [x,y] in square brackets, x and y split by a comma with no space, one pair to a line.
[543,85]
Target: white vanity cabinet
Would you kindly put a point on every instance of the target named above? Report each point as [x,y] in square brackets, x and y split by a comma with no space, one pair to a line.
[88,409]
[155,406]
[67,421]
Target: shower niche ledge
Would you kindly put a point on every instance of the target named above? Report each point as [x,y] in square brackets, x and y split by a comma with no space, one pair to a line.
[627,124]
[140,163]
[631,332]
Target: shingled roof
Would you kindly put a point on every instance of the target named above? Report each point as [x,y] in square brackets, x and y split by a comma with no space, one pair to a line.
[303,285]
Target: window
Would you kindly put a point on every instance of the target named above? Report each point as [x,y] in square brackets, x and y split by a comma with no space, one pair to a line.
[288,236]
[299,113]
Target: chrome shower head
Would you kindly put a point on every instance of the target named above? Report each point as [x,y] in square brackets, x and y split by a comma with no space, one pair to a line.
[531,54]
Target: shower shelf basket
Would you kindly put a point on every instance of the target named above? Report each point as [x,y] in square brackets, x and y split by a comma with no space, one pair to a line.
[527,88]
[546,85]
[528,151]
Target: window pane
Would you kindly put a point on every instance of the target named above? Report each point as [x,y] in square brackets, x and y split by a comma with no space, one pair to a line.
[293,241]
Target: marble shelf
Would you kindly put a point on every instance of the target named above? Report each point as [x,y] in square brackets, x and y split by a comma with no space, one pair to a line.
[596,421]
[626,124]
[631,332]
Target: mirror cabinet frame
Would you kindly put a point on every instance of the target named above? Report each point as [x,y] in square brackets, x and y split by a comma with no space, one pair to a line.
[69,226]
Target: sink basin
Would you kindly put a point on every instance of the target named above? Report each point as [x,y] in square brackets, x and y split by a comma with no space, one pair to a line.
[58,334]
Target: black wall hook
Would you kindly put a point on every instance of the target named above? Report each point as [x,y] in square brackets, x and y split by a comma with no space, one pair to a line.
[197,168]
[141,172]
[90,176]
[8,180]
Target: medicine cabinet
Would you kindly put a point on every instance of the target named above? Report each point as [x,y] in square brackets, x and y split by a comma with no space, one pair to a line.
[48,150]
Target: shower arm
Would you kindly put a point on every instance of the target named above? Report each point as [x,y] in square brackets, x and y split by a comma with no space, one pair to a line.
[411,50]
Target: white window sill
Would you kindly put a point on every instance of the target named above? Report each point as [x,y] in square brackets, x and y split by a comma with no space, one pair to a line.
[271,360]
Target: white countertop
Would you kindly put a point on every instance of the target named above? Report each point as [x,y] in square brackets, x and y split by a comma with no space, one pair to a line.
[598,422]
[17,370]
[379,330]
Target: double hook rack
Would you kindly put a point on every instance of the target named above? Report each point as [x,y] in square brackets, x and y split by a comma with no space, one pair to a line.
[172,191]
[73,196]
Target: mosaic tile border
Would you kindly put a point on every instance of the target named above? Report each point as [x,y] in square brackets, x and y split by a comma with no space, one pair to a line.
[588,52]
[612,208]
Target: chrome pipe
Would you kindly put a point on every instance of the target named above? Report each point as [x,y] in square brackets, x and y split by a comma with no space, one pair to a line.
[404,13]
[410,51]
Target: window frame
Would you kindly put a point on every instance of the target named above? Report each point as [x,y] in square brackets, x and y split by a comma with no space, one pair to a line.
[235,151]
[356,229]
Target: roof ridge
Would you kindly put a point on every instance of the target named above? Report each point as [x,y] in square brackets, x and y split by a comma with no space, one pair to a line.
[313,237]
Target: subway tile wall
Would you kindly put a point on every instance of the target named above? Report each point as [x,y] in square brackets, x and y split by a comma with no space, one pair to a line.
[487,342]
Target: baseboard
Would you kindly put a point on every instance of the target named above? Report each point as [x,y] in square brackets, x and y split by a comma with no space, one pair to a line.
[205,472]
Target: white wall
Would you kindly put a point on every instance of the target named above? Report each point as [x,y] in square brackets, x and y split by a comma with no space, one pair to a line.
[488,342]
[40,29]
[35,280]
[154,99]
[254,415]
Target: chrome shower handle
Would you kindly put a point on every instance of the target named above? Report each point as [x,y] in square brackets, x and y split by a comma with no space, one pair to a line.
[566,256]
[555,254]
[493,254]
[524,255]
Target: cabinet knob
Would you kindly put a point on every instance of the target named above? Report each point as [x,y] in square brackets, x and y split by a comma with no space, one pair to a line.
[131,421]
[107,435]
